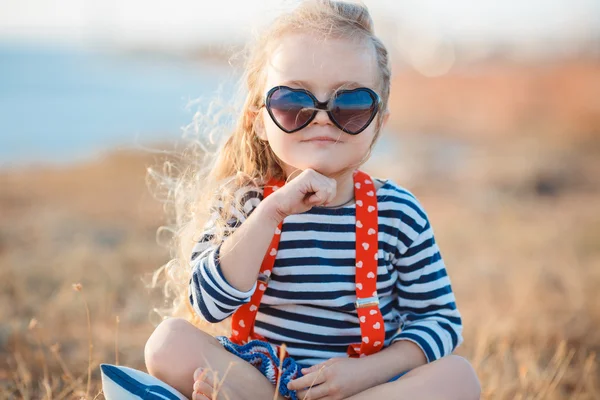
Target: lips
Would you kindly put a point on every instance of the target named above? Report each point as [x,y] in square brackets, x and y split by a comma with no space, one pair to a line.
[321,139]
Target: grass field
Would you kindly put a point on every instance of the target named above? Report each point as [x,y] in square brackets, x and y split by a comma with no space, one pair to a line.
[517,221]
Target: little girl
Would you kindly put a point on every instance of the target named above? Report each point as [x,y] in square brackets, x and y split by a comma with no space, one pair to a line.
[304,249]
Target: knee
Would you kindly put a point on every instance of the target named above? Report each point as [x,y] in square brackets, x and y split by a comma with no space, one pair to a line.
[470,380]
[163,346]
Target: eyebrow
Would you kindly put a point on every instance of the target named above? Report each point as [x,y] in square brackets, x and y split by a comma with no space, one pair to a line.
[335,86]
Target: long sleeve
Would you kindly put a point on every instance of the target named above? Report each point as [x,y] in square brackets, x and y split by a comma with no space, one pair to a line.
[426,303]
[211,296]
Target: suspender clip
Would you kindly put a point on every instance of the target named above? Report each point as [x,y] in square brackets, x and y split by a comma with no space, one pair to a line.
[366,302]
[264,278]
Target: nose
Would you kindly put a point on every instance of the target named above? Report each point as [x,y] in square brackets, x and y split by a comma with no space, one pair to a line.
[321,118]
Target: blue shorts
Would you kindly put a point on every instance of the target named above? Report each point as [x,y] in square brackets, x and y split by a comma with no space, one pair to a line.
[397,376]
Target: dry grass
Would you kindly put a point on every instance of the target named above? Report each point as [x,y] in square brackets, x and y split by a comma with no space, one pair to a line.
[518,223]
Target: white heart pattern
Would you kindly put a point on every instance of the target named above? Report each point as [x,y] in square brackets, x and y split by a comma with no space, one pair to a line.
[235,333]
[262,287]
[359,264]
[359,224]
[376,256]
[359,286]
[359,203]
[368,182]
[253,308]
[371,275]
[275,188]
[363,319]
[242,323]
[277,231]
[357,185]
[370,193]
[377,325]
[267,273]
[374,294]
[366,339]
[371,231]
[376,343]
[365,246]
[373,312]
[370,208]
[273,252]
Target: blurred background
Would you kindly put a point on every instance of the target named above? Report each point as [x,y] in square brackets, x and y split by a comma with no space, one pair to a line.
[495,126]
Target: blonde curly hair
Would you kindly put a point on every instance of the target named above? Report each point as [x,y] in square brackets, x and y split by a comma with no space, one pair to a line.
[204,178]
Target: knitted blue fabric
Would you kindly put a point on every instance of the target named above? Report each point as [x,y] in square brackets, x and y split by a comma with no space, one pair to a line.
[265,357]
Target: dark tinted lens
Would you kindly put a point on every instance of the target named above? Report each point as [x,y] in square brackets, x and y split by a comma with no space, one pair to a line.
[353,110]
[291,109]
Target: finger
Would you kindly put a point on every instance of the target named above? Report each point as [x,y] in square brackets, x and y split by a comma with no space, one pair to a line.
[313,378]
[313,393]
[313,368]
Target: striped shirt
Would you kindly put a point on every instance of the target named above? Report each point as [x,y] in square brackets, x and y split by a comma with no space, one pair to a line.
[309,302]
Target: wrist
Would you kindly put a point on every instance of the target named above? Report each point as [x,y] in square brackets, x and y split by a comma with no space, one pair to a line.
[269,211]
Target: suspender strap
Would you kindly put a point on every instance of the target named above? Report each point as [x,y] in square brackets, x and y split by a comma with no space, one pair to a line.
[367,304]
[242,324]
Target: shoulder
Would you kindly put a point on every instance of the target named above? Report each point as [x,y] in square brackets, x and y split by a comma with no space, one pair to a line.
[396,200]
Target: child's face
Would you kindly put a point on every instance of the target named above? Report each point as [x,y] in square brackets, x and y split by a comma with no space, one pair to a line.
[321,67]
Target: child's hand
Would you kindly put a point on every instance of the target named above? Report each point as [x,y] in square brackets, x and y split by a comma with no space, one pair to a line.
[336,378]
[307,190]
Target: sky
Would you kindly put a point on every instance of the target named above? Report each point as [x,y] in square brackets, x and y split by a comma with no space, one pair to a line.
[187,23]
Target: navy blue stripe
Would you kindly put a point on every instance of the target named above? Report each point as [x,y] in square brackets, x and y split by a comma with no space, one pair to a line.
[308,244]
[405,269]
[314,337]
[413,205]
[433,307]
[317,227]
[422,342]
[316,278]
[431,333]
[407,220]
[285,294]
[453,334]
[201,285]
[430,295]
[300,261]
[419,317]
[420,247]
[204,311]
[307,319]
[427,278]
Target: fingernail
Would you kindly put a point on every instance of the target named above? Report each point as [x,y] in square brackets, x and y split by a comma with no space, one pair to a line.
[197,373]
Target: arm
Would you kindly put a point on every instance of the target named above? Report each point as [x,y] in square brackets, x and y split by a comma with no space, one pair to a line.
[426,302]
[224,275]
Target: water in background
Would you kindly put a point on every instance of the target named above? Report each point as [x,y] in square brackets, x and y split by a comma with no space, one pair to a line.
[60,104]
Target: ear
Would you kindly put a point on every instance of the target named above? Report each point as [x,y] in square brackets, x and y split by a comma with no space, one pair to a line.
[259,127]
[386,116]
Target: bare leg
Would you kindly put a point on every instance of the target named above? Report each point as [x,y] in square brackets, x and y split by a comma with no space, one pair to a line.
[177,348]
[450,377]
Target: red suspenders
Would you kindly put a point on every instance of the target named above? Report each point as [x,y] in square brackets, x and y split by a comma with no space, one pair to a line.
[367,304]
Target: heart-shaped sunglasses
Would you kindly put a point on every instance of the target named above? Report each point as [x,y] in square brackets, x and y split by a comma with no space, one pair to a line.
[350,110]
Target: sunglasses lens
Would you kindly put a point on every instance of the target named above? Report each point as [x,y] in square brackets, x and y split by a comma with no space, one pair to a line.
[354,110]
[290,109]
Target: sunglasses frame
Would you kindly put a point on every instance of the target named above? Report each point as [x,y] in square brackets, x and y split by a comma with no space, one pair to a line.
[322,105]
